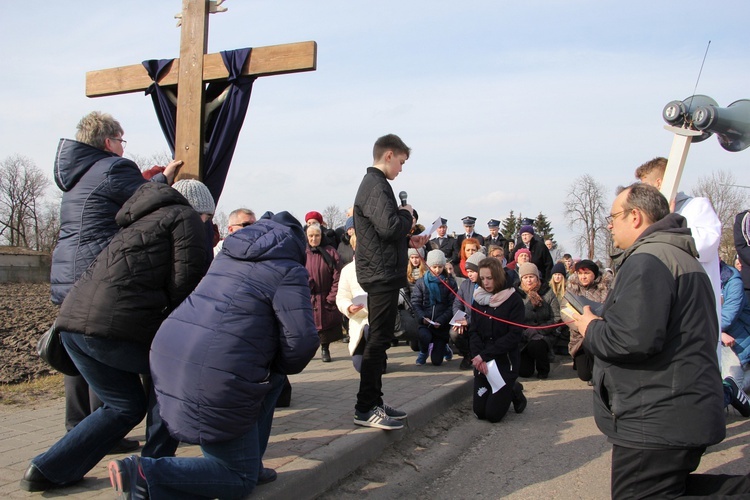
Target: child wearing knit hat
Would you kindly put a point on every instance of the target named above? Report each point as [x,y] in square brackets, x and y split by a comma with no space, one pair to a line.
[433,304]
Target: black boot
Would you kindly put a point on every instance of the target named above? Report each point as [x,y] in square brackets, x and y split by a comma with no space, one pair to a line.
[519,400]
[325,354]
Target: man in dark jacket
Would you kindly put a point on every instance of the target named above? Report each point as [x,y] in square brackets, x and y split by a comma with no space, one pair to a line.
[381,258]
[95,180]
[495,237]
[742,245]
[446,243]
[247,325]
[657,386]
[468,223]
[111,314]
[540,255]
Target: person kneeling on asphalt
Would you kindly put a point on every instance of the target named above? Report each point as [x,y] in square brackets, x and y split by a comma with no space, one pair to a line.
[496,341]
[433,304]
[110,316]
[247,325]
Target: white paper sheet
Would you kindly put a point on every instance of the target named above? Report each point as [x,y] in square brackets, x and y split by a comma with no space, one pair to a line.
[435,226]
[360,300]
[457,317]
[493,376]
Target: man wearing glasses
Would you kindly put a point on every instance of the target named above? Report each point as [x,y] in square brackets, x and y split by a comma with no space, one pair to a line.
[242,217]
[96,181]
[657,387]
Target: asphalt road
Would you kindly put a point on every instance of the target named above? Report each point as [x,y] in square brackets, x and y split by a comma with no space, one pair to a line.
[552,450]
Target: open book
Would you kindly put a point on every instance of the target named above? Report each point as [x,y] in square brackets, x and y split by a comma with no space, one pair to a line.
[578,302]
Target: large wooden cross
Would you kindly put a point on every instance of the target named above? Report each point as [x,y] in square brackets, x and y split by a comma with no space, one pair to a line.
[191,72]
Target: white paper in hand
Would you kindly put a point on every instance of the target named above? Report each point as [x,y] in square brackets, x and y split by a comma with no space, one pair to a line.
[457,317]
[435,225]
[360,300]
[493,376]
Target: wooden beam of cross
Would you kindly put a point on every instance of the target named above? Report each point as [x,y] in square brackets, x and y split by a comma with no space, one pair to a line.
[191,72]
[683,137]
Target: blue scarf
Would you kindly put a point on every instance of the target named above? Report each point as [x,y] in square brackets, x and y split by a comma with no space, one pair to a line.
[433,287]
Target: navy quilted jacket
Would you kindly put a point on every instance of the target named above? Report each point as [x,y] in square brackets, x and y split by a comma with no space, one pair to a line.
[212,357]
[95,185]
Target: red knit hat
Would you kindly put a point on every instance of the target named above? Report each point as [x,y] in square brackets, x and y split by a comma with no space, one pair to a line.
[314,215]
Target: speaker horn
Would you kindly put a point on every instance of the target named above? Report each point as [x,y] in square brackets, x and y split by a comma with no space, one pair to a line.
[679,113]
[731,124]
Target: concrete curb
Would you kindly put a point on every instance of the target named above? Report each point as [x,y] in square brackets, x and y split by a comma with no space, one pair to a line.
[311,475]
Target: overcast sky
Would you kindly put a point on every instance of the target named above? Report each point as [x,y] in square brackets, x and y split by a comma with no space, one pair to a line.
[504,103]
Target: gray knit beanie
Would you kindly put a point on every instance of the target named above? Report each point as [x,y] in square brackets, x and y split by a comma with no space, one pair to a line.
[473,261]
[436,258]
[197,194]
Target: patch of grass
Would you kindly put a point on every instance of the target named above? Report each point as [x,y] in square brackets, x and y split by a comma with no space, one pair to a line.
[46,387]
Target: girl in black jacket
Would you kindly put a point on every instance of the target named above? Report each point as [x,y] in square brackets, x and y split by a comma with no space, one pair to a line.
[495,342]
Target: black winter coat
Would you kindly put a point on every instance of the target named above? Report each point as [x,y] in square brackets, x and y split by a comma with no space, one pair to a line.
[382,229]
[449,246]
[546,313]
[657,382]
[493,339]
[742,244]
[540,256]
[151,265]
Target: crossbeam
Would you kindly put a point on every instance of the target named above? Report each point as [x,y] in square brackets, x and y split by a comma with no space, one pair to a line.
[263,61]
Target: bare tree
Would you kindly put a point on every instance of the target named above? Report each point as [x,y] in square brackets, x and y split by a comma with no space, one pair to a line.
[728,200]
[145,162]
[585,209]
[49,226]
[222,222]
[334,216]
[22,187]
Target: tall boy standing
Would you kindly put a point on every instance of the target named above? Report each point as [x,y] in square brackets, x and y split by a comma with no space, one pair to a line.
[381,258]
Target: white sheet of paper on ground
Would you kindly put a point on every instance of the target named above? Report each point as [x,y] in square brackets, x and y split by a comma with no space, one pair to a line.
[435,226]
[493,376]
[457,317]
[360,300]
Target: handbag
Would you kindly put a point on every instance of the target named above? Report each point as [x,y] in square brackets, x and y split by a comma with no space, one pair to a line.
[53,352]
[407,326]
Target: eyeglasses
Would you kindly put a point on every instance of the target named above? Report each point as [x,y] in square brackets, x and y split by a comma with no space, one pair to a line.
[122,141]
[611,217]
[242,224]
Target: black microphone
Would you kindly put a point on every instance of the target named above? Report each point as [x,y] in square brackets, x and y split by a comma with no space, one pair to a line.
[402,196]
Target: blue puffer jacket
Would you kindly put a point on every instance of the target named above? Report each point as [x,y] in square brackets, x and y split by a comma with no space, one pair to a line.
[251,314]
[95,185]
[735,311]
